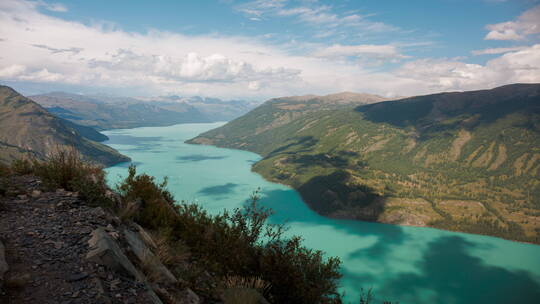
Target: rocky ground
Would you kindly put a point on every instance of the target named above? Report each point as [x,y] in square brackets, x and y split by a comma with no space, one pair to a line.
[60,250]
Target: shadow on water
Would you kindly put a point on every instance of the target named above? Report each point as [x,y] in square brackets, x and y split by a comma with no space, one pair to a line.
[280,201]
[461,285]
[122,139]
[197,158]
[219,190]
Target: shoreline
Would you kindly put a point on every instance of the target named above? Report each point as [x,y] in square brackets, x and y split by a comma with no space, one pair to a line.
[310,206]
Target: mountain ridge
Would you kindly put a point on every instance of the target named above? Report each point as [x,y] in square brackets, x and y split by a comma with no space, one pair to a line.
[106,112]
[27,129]
[465,161]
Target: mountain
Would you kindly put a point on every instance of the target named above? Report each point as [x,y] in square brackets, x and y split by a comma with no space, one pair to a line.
[214,109]
[87,132]
[115,113]
[27,129]
[464,161]
[251,131]
[105,112]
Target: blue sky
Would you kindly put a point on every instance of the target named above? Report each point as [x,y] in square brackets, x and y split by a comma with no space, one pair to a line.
[267,48]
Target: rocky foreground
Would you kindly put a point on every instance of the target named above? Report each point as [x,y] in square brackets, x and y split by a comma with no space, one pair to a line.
[54,248]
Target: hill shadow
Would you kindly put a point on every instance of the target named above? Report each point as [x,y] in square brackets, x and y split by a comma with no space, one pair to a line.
[303,143]
[486,106]
[322,159]
[472,282]
[330,193]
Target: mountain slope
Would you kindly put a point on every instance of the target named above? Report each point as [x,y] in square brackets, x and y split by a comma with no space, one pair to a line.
[466,161]
[117,113]
[26,129]
[251,131]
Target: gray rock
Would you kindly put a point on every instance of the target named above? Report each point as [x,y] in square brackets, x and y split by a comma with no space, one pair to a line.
[105,251]
[144,254]
[189,297]
[77,277]
[35,193]
[145,236]
[152,294]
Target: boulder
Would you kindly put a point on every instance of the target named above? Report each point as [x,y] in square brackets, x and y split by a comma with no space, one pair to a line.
[105,251]
[145,255]
[145,236]
[187,296]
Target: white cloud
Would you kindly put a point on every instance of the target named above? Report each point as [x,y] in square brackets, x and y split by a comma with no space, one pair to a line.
[43,49]
[366,51]
[440,74]
[53,7]
[501,50]
[312,13]
[526,24]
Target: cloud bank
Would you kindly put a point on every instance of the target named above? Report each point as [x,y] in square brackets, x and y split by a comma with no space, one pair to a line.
[39,48]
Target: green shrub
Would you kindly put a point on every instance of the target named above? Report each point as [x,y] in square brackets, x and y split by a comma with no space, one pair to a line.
[157,209]
[22,166]
[65,169]
[238,243]
[5,171]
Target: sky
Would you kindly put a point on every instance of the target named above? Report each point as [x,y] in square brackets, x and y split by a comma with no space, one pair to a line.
[260,49]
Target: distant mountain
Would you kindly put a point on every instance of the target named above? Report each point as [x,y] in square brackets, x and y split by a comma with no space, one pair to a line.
[465,161]
[116,113]
[27,129]
[214,109]
[105,112]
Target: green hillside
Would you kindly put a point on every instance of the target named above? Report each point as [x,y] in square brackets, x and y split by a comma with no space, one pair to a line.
[466,161]
[28,130]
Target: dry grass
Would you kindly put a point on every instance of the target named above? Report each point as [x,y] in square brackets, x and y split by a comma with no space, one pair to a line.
[170,253]
[127,210]
[247,282]
[150,264]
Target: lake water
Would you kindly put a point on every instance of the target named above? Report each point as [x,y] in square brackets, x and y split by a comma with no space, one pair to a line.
[407,264]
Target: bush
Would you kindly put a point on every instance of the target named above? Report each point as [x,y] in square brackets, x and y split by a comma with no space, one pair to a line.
[239,243]
[157,210]
[65,169]
[22,166]
[5,171]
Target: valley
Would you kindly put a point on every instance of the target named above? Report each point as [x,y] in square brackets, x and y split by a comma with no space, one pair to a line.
[106,112]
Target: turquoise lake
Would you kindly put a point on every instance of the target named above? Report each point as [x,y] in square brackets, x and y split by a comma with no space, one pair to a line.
[407,264]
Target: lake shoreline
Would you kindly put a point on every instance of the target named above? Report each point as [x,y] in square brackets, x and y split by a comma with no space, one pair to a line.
[342,215]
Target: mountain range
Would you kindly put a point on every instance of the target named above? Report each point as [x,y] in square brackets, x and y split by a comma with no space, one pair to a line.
[27,130]
[105,112]
[464,161]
